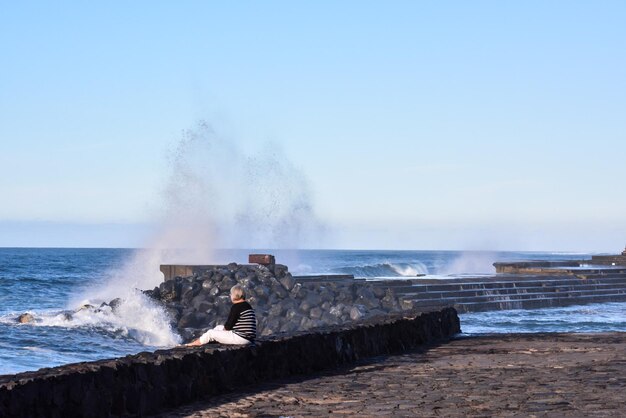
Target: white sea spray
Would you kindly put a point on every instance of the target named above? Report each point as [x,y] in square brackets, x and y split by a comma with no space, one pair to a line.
[215,196]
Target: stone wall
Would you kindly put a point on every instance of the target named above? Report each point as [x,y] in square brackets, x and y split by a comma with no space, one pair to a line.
[147,383]
[200,301]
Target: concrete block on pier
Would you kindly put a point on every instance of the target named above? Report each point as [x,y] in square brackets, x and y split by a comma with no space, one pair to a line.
[263,259]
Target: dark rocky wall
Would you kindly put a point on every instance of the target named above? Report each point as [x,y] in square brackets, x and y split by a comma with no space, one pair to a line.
[147,383]
[198,302]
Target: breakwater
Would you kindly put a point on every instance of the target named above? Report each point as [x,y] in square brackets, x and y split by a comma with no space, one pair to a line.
[147,383]
[517,285]
[200,300]
[287,303]
[502,291]
[479,294]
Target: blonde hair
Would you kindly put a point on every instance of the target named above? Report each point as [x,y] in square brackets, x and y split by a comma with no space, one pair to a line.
[237,292]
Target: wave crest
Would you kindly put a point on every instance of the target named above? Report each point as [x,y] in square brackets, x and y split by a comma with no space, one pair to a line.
[386,270]
[136,317]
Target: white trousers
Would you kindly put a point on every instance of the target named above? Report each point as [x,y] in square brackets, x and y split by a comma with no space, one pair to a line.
[220,335]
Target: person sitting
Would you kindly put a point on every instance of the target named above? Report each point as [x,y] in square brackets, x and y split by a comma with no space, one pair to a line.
[240,327]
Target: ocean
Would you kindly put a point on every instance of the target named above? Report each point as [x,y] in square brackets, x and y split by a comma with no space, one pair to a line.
[52,284]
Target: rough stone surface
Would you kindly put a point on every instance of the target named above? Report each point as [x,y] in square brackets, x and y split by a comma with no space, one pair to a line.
[281,304]
[549,375]
[146,383]
[25,318]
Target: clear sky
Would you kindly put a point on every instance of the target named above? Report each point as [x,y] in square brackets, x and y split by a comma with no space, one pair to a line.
[417,125]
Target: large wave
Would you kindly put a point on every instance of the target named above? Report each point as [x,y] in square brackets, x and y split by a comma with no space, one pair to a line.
[385,270]
[216,195]
[135,317]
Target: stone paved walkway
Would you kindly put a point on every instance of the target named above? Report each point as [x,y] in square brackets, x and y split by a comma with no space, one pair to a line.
[553,375]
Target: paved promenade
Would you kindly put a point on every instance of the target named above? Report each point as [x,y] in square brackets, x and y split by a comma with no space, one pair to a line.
[543,375]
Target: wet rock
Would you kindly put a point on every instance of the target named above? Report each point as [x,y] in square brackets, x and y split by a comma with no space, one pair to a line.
[168,291]
[25,318]
[150,293]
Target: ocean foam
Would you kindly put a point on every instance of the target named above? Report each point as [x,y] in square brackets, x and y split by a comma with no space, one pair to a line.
[386,270]
[137,317]
[215,196]
[409,270]
[471,262]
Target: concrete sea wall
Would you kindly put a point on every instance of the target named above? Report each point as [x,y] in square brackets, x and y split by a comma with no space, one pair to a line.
[147,383]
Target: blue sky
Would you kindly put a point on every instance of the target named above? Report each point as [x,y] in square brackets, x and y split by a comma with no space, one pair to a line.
[417,125]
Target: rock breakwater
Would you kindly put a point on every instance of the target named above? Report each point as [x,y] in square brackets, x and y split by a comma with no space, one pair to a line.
[283,305]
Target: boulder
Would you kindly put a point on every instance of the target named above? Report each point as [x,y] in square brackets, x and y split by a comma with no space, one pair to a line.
[316,313]
[287,281]
[25,318]
[280,271]
[358,312]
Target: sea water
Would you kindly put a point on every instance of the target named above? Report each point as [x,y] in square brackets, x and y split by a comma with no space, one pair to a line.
[53,285]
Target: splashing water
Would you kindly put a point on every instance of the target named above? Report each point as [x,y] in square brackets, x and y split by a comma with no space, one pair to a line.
[215,197]
[219,197]
[471,262]
[137,315]
[409,270]
[385,269]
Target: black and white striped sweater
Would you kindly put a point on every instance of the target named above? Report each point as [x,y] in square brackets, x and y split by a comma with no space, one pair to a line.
[242,320]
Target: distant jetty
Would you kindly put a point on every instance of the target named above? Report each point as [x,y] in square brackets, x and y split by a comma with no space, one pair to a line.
[597,265]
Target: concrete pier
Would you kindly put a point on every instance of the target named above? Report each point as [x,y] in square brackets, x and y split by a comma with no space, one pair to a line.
[515,292]
[507,291]
[523,375]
